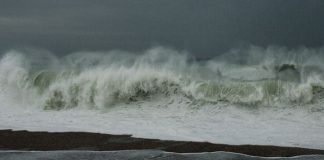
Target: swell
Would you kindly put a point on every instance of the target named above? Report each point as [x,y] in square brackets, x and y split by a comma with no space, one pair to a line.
[107,80]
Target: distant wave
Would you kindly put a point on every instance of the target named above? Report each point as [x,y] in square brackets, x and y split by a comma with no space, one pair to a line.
[253,77]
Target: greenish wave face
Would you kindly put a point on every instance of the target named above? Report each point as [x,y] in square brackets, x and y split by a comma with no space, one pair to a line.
[43,79]
[112,93]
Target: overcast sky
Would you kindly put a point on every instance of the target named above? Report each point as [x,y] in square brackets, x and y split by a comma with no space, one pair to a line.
[203,27]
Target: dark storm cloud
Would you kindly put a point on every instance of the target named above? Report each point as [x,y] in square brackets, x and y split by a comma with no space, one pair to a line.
[202,27]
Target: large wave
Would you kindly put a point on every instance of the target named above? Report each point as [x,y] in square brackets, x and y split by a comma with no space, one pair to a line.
[256,76]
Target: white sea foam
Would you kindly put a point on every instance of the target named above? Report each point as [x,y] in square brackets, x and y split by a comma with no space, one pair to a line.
[256,96]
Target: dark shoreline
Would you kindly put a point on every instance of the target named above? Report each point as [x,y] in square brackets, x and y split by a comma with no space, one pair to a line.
[45,141]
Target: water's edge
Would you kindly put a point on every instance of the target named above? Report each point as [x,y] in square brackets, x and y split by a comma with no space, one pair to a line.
[138,154]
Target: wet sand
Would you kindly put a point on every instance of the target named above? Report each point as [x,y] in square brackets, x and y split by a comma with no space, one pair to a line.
[45,141]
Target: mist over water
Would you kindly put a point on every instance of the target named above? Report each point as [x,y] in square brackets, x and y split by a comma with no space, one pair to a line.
[251,77]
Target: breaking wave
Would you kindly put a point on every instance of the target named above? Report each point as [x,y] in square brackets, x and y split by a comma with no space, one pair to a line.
[253,77]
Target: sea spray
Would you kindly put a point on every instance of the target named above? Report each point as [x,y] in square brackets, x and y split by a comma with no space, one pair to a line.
[264,77]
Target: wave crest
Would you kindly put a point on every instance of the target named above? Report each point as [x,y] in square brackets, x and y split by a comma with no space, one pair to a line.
[104,80]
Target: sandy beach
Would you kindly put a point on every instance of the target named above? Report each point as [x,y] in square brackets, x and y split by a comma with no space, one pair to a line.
[45,141]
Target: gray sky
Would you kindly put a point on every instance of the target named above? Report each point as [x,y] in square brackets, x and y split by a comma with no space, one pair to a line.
[203,27]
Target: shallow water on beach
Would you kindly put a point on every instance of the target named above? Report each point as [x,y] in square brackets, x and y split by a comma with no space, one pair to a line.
[138,155]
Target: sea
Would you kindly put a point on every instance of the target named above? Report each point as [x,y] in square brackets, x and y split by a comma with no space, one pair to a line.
[263,96]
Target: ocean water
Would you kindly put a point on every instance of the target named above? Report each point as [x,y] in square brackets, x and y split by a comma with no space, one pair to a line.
[254,96]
